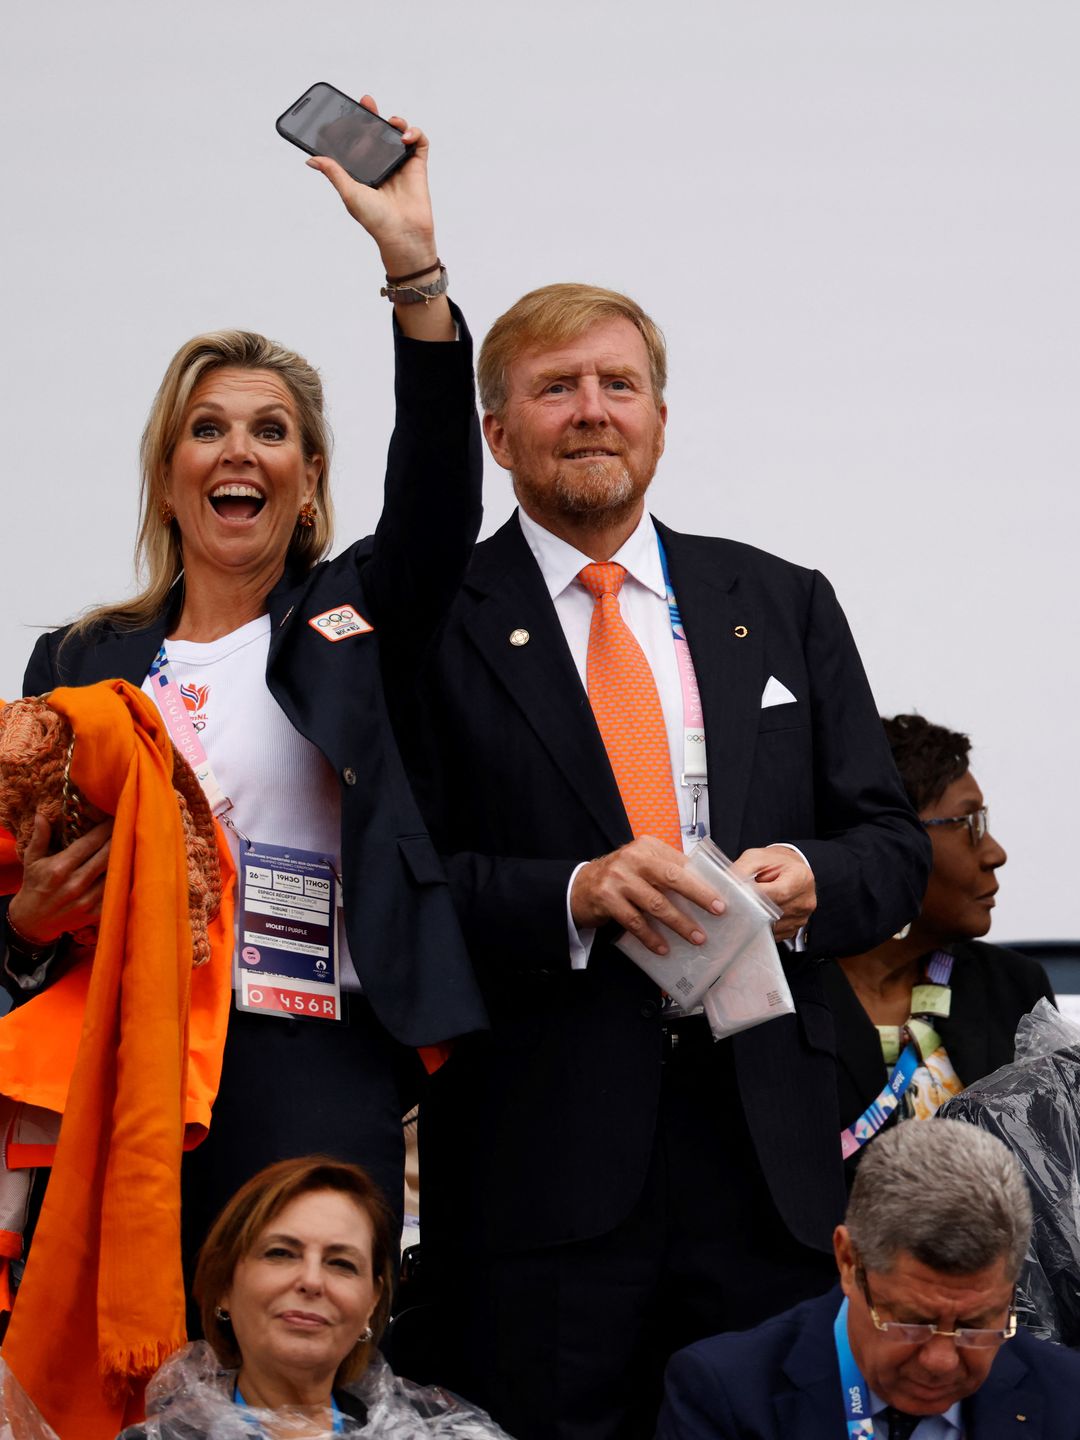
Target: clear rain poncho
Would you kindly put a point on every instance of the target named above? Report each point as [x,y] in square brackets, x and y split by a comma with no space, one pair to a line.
[1033,1106]
[190,1398]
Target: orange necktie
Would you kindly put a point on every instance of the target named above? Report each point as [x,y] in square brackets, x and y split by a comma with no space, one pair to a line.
[622,693]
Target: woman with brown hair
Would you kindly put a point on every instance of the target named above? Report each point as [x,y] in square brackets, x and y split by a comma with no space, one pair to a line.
[294,1286]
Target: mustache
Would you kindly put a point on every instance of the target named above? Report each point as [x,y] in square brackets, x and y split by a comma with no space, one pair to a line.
[585,440]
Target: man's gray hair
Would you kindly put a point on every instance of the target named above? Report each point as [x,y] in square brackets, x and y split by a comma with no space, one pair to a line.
[948,1194]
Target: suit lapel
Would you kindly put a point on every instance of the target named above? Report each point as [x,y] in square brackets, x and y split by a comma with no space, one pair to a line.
[813,1409]
[505,593]
[966,1032]
[125,655]
[858,1044]
[1009,1403]
[728,665]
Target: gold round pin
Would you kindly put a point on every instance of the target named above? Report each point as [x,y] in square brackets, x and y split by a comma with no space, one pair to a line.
[741,631]
[519,637]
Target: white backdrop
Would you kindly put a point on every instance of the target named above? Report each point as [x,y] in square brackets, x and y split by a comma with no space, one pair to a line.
[857,221]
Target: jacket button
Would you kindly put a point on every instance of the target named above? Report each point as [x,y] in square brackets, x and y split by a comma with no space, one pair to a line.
[649,1009]
[349,775]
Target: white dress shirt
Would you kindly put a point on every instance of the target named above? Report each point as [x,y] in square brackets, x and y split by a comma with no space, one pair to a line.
[644,607]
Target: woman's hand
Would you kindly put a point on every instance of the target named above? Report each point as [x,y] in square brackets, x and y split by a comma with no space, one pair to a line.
[398,218]
[60,893]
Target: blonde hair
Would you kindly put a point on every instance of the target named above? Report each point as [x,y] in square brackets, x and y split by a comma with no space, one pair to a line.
[158,554]
[551,316]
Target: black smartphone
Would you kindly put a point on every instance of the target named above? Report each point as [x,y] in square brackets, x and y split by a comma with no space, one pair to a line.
[326,122]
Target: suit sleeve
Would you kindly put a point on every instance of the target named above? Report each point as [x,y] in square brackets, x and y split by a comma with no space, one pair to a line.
[512,911]
[869,854]
[432,499]
[696,1406]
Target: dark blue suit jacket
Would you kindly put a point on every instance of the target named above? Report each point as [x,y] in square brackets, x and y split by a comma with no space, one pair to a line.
[550,1126]
[403,933]
[781,1381]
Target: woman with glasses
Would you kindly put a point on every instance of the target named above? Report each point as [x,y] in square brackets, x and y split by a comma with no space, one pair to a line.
[933,1008]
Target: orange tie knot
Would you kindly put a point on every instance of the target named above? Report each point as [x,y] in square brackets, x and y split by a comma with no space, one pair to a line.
[603,578]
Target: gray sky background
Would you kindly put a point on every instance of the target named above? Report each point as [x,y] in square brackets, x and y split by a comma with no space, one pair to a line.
[857,222]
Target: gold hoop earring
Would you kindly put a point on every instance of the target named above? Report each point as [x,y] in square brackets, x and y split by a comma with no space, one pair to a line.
[308,514]
[167,513]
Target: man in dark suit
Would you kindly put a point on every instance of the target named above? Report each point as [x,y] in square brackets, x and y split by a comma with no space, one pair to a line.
[602,1182]
[921,1342]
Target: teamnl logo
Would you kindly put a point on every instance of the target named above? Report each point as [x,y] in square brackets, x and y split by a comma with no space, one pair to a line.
[195,698]
[339,623]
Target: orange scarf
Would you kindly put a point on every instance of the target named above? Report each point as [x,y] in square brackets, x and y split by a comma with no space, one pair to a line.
[102,1299]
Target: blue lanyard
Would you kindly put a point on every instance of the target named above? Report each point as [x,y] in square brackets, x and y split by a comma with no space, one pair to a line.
[882,1106]
[338,1427]
[677,628]
[855,1390]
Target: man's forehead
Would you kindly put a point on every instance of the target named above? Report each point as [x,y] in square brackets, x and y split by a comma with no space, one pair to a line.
[609,345]
[909,1282]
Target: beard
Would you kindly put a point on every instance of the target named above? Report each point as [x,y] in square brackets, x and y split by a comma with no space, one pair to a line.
[597,494]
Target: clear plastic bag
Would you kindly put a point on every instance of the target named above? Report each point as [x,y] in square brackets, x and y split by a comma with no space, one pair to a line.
[19,1419]
[751,990]
[1033,1106]
[687,970]
[191,1398]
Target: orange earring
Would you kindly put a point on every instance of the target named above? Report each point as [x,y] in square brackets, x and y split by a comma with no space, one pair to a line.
[308,514]
[167,513]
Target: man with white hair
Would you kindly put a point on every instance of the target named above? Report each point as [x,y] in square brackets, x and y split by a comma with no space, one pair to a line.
[920,1341]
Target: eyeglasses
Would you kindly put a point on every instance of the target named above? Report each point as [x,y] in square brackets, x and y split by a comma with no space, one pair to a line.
[976,822]
[965,1338]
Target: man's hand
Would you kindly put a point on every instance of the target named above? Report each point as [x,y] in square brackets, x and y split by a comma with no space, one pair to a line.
[60,893]
[627,886]
[784,876]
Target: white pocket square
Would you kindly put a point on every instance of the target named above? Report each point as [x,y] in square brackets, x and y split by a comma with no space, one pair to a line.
[776,694]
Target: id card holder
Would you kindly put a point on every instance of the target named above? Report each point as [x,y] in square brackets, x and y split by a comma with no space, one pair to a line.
[287,957]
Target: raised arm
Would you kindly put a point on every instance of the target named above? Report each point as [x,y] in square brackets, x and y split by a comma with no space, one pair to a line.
[432,502]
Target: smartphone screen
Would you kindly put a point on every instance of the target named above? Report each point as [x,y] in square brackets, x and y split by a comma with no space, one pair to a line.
[326,122]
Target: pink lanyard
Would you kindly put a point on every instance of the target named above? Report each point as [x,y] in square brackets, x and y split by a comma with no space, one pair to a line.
[695,773]
[182,732]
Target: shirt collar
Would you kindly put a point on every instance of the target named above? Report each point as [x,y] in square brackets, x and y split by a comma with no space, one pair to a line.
[560,562]
[950,1416]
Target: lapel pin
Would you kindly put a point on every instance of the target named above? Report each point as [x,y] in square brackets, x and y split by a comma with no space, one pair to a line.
[741,632]
[519,637]
[1021,1418]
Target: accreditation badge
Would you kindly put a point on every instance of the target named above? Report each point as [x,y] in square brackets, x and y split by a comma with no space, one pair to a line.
[287,958]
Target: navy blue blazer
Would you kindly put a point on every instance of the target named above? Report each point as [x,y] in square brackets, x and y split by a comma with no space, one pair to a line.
[780,1381]
[403,933]
[553,1120]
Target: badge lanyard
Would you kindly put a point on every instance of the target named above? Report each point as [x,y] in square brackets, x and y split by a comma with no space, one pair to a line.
[925,1000]
[337,1427]
[695,773]
[287,956]
[855,1390]
[183,733]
